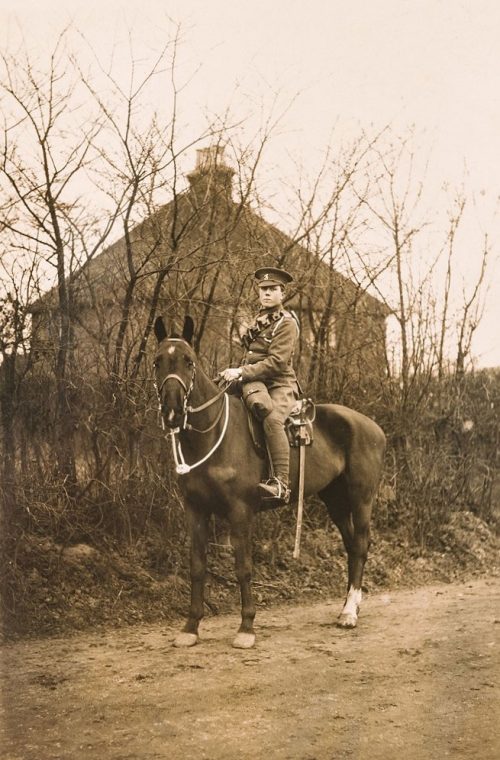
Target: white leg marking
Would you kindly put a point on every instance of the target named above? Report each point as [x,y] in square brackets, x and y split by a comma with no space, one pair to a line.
[349,615]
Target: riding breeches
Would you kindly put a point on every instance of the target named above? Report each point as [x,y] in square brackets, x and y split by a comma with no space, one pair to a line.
[284,399]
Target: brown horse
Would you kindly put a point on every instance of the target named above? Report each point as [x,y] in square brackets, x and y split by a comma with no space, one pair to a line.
[219,471]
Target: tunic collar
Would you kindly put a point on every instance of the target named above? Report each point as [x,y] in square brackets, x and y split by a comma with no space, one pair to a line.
[272,313]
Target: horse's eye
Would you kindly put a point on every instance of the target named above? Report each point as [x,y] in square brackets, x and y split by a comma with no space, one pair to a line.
[189,361]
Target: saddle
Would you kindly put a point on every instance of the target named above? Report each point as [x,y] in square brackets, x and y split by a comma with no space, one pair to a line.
[298,427]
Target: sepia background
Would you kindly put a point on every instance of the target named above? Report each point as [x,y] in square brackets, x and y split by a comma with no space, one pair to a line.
[152,155]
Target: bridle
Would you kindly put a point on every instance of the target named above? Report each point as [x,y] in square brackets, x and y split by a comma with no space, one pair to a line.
[181,466]
[187,392]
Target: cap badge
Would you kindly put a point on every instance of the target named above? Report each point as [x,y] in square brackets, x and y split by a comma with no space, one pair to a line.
[266,276]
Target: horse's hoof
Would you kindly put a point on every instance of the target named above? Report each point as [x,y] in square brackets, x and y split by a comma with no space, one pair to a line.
[185,640]
[347,620]
[244,640]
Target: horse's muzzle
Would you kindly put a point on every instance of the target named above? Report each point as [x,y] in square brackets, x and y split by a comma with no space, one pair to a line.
[173,401]
[172,417]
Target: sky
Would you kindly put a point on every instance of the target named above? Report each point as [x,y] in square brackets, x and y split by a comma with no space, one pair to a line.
[433,65]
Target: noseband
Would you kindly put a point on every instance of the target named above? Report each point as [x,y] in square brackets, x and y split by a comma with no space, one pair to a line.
[181,466]
[187,392]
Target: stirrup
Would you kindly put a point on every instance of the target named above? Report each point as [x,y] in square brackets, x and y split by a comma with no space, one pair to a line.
[273,493]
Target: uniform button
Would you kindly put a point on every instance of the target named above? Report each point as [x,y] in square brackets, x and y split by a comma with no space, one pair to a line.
[250,352]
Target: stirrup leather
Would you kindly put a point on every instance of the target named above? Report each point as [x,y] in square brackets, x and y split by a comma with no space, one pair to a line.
[274,492]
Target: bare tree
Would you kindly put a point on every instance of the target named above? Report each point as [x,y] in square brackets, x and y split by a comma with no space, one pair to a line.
[43,160]
[454,221]
[18,286]
[471,313]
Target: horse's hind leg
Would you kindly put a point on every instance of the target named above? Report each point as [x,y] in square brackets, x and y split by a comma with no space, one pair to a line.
[241,539]
[350,509]
[198,529]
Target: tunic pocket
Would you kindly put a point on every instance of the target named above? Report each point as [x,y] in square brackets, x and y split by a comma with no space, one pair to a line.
[257,399]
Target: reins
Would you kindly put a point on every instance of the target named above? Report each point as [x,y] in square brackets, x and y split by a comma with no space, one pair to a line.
[181,466]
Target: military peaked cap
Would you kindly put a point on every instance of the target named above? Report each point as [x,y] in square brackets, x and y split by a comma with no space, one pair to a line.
[272,276]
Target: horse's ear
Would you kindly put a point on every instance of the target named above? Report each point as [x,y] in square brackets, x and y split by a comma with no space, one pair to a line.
[188,329]
[160,329]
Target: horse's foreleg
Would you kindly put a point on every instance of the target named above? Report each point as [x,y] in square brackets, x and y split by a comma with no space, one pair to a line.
[198,528]
[241,539]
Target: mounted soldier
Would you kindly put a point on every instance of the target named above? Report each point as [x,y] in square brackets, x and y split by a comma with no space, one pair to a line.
[269,383]
[218,466]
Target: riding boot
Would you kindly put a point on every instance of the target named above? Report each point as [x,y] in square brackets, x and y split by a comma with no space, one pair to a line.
[275,492]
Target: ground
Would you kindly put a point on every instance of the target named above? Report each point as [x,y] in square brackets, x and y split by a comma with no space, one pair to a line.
[417,679]
[51,588]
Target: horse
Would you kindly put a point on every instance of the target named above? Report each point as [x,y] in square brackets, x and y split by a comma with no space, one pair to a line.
[219,469]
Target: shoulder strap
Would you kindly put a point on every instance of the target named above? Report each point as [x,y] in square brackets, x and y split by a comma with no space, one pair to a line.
[290,314]
[295,318]
[277,324]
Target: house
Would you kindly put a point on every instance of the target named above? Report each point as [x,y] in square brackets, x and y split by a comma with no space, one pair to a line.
[197,254]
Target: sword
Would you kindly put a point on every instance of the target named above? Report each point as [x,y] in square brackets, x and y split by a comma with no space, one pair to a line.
[300,503]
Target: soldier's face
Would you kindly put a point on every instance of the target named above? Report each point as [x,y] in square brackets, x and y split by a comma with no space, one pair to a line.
[271,296]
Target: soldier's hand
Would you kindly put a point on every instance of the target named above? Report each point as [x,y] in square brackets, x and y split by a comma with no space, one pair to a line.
[231,374]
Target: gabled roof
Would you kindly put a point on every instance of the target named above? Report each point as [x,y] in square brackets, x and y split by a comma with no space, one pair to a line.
[198,229]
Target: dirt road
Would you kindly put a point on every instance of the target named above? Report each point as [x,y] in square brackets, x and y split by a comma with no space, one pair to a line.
[417,679]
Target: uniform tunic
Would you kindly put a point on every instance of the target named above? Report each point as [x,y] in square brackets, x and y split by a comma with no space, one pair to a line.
[270,345]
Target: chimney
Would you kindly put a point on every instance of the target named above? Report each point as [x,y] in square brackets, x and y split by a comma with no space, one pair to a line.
[211,176]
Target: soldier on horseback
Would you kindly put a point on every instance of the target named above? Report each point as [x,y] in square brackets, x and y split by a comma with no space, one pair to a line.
[269,383]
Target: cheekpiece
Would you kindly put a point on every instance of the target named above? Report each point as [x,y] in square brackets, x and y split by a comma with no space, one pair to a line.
[272,276]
